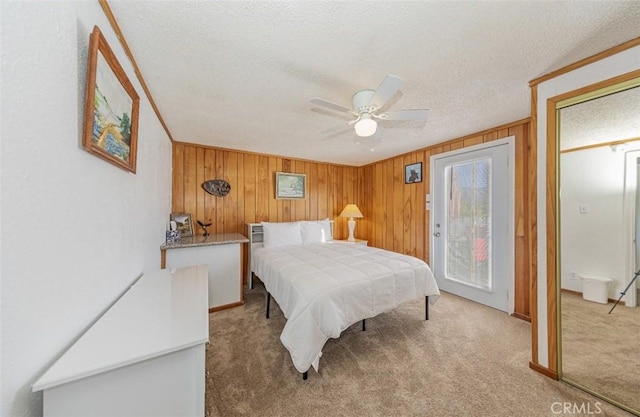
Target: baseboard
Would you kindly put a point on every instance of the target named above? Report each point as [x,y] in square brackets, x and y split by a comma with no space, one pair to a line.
[544,371]
[521,317]
[226,306]
[611,300]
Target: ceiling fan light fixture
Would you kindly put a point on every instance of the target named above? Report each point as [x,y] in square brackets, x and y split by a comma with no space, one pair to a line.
[367,106]
[366,126]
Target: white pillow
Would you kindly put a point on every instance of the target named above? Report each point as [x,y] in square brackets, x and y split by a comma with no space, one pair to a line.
[281,234]
[316,231]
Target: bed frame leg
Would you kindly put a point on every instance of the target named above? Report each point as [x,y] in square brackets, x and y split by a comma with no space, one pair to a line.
[426,307]
[268,302]
[364,327]
[305,375]
[251,277]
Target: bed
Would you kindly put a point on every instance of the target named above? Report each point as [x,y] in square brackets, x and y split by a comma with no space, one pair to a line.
[324,286]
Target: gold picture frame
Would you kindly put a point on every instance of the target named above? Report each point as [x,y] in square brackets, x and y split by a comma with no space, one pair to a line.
[111,107]
[291,186]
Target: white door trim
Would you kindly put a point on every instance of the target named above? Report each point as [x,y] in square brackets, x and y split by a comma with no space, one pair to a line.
[510,255]
[629,211]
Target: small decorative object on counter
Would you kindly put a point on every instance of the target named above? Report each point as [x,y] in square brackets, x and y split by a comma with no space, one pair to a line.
[172,232]
[219,188]
[184,225]
[204,227]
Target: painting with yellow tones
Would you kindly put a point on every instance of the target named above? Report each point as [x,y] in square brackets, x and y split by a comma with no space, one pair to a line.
[111,107]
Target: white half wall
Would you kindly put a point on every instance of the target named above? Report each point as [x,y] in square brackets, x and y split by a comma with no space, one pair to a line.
[618,64]
[75,230]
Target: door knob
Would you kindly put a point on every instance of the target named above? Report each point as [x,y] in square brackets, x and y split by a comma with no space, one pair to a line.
[437,234]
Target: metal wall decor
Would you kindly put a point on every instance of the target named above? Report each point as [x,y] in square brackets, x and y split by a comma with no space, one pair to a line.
[219,188]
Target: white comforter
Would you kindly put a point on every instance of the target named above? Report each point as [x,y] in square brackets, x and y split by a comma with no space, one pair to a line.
[324,288]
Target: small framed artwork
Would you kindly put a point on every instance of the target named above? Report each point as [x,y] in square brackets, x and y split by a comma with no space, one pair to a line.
[111,107]
[291,186]
[183,223]
[413,173]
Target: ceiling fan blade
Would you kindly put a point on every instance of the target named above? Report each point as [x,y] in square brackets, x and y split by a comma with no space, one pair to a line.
[404,115]
[337,129]
[330,105]
[335,132]
[389,87]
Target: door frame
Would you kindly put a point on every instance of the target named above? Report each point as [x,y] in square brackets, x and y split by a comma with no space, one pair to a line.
[510,142]
[629,211]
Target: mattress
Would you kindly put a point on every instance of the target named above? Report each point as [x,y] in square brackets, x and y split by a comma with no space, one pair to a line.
[323,288]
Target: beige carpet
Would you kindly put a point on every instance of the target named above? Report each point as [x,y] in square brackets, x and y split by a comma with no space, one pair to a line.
[467,360]
[601,351]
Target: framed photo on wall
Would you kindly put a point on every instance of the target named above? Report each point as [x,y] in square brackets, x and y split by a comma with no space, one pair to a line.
[291,186]
[111,107]
[184,224]
[413,173]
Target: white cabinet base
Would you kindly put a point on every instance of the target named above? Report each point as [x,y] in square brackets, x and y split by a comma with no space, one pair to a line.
[145,356]
[221,253]
[223,262]
[170,385]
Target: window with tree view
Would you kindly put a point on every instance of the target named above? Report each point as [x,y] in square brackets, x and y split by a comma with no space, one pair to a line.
[468,223]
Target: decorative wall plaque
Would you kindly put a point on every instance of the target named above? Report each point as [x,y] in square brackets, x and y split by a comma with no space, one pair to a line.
[219,188]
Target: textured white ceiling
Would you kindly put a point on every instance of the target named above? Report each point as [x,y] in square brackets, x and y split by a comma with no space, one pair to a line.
[610,118]
[240,74]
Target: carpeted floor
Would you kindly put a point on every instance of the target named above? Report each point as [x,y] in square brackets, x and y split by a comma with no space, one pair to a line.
[467,360]
[601,351]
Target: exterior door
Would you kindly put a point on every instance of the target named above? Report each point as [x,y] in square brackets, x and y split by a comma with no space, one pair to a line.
[472,217]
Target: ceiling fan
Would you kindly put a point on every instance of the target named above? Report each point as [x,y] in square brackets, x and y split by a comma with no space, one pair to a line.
[367,105]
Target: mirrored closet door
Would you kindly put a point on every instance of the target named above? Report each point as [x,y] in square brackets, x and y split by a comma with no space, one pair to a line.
[598,160]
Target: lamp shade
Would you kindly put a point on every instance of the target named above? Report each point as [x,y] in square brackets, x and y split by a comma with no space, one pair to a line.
[366,126]
[351,211]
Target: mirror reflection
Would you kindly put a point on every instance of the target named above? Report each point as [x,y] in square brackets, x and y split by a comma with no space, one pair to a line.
[599,210]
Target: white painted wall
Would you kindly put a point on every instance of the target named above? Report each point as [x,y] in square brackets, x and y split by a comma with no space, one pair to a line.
[75,230]
[593,242]
[618,64]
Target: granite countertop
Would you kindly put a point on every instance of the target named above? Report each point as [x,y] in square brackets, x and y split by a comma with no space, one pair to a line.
[212,239]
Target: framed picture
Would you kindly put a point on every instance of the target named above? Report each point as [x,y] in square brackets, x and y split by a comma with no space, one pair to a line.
[413,173]
[111,107]
[291,186]
[184,223]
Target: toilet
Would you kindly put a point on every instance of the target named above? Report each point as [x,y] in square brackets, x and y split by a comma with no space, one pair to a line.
[595,288]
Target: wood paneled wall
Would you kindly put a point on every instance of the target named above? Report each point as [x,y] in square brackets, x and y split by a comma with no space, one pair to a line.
[252,197]
[395,217]
[394,212]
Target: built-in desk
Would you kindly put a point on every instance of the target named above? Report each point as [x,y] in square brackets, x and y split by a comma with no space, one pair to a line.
[222,253]
[144,357]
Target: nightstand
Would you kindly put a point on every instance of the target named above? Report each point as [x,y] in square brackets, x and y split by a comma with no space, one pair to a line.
[357,242]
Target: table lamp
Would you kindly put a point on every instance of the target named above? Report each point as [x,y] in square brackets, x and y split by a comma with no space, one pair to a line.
[352,212]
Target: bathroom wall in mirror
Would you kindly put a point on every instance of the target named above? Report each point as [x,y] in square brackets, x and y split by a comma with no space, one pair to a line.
[599,214]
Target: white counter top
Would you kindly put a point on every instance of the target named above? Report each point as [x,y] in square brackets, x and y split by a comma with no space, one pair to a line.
[162,312]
